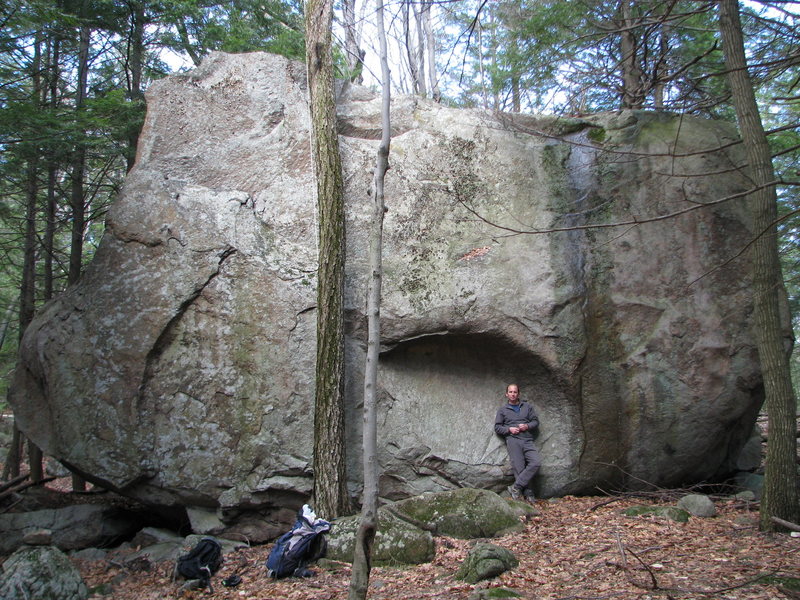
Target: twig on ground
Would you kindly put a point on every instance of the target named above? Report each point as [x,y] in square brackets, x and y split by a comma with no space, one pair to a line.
[787,524]
[622,551]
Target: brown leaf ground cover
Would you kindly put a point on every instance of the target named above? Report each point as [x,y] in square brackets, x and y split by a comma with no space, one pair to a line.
[576,548]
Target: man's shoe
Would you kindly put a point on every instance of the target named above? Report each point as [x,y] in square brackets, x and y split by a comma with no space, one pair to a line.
[515,492]
[530,496]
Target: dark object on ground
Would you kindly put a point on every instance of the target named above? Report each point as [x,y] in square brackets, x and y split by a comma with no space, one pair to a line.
[202,562]
[232,581]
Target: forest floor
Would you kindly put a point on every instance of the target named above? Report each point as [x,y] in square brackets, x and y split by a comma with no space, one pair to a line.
[576,548]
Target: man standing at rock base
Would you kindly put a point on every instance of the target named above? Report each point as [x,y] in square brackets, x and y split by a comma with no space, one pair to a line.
[515,421]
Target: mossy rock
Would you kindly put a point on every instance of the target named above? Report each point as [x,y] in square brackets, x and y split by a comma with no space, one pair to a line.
[485,561]
[396,542]
[672,513]
[463,513]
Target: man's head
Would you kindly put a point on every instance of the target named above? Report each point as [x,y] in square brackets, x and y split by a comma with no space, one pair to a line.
[512,393]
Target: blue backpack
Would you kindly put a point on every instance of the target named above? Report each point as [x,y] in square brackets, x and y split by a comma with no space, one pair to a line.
[299,547]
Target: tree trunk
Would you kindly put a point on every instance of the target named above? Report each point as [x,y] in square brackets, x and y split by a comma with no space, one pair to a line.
[419,24]
[79,163]
[367,529]
[27,306]
[12,467]
[661,71]
[186,42]
[779,498]
[52,174]
[411,54]
[430,48]
[77,201]
[330,487]
[136,58]
[355,55]
[629,60]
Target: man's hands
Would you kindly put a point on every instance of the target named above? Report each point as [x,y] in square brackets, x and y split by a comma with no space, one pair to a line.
[514,430]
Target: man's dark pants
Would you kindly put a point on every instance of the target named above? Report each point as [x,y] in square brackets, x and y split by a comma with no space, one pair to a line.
[525,460]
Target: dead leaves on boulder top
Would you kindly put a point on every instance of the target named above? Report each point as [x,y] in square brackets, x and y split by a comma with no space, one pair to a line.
[574,549]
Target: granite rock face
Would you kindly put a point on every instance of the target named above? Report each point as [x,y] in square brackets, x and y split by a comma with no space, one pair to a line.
[180,369]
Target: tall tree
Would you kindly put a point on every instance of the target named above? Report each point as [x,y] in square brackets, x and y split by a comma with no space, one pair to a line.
[135,63]
[780,486]
[354,55]
[78,171]
[368,526]
[28,287]
[331,498]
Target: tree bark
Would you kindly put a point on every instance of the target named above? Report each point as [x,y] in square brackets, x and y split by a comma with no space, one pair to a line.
[367,529]
[355,55]
[421,45]
[629,60]
[77,203]
[430,48]
[779,497]
[28,287]
[330,486]
[135,65]
[411,48]
[54,76]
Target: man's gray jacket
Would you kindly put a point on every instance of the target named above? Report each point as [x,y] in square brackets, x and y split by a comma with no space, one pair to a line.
[507,417]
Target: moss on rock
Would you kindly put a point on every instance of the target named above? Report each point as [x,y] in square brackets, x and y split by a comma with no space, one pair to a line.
[670,512]
[396,542]
[464,513]
[485,561]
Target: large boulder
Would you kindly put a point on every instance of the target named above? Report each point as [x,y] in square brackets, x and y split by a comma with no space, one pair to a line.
[71,527]
[397,542]
[43,573]
[180,369]
[463,513]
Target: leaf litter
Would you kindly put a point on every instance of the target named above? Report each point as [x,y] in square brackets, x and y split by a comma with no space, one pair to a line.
[576,548]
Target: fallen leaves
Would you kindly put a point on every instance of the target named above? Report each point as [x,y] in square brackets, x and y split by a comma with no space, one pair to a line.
[575,550]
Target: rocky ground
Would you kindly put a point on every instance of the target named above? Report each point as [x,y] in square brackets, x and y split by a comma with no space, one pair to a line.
[576,548]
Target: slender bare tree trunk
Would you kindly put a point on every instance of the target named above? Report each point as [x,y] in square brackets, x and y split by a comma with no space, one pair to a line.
[421,45]
[28,291]
[52,174]
[430,49]
[355,55]
[410,46]
[365,537]
[79,161]
[330,485]
[774,343]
